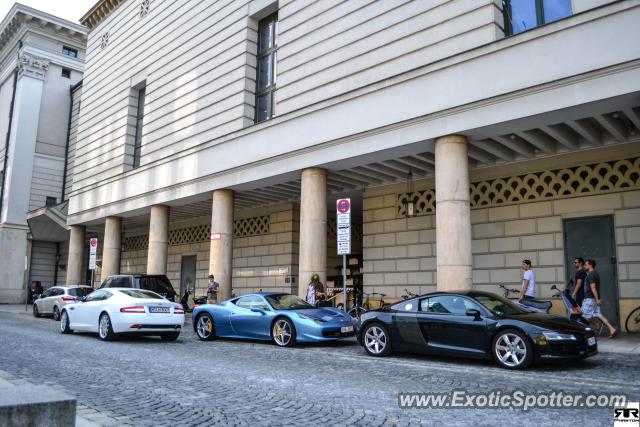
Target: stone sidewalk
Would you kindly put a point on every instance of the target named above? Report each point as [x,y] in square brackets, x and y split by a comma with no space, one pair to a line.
[622,344]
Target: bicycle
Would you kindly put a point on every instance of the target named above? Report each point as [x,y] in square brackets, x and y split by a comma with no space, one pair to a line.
[508,291]
[357,309]
[633,321]
[408,294]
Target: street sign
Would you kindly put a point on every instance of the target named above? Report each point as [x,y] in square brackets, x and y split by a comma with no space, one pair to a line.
[93,250]
[343,226]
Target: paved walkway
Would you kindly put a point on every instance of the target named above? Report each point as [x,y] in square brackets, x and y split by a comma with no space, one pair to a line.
[623,343]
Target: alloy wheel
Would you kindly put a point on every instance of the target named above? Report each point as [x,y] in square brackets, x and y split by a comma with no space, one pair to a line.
[511,350]
[64,321]
[375,339]
[282,332]
[104,326]
[204,327]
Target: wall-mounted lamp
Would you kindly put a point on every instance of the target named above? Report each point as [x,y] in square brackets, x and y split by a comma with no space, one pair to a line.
[409,201]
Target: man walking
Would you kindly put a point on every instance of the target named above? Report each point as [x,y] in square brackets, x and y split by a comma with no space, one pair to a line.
[591,304]
[528,290]
[578,280]
[212,290]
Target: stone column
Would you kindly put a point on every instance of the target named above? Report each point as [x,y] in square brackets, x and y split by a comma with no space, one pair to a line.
[453,215]
[75,262]
[313,228]
[158,240]
[221,255]
[111,247]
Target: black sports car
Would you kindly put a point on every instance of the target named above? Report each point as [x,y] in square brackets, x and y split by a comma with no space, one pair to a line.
[474,324]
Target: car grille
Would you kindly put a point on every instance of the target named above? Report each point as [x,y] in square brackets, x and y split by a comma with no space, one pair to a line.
[335,333]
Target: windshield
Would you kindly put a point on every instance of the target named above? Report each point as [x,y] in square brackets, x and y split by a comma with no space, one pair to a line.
[80,292]
[287,302]
[499,305]
[138,293]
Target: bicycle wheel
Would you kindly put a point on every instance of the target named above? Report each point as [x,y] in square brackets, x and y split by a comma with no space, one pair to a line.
[598,326]
[633,321]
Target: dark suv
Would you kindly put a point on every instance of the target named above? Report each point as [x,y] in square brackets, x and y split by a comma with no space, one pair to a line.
[158,283]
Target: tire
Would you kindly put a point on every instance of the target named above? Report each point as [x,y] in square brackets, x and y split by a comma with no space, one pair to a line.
[56,313]
[283,333]
[64,323]
[376,340]
[36,312]
[633,321]
[511,349]
[171,336]
[105,330]
[205,327]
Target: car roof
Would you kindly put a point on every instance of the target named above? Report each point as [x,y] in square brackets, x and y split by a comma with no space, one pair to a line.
[71,286]
[470,293]
[263,294]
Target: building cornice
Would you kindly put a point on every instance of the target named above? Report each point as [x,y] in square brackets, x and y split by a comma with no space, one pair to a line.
[32,66]
[20,15]
[99,12]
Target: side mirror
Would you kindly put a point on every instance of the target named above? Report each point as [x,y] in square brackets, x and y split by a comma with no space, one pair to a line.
[473,313]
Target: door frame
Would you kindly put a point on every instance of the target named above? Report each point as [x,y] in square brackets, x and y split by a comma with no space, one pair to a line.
[617,321]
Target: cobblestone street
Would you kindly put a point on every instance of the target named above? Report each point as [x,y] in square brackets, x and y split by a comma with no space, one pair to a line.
[144,381]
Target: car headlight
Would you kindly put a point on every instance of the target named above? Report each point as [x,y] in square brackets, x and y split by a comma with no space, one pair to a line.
[557,336]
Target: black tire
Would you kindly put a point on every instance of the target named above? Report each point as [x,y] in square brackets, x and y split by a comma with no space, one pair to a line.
[511,349]
[205,327]
[56,313]
[633,321]
[64,323]
[171,336]
[105,331]
[376,340]
[36,312]
[283,332]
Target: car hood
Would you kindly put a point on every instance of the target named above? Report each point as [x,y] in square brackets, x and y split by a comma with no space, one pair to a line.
[548,321]
[325,314]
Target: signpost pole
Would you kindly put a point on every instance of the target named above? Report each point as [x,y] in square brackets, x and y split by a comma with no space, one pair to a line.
[343,235]
[344,281]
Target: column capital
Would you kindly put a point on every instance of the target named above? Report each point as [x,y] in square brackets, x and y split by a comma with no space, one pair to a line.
[32,66]
[314,171]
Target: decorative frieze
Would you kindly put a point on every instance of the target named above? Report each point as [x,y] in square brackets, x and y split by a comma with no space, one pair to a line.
[31,66]
[104,40]
[596,178]
[144,8]
[251,226]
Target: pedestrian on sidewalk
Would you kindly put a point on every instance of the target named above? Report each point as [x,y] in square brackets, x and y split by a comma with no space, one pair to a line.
[592,302]
[528,289]
[212,290]
[578,280]
[315,290]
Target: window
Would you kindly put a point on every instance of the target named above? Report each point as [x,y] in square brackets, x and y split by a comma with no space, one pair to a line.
[99,295]
[80,292]
[120,282]
[138,135]
[69,51]
[252,301]
[447,304]
[51,201]
[66,73]
[266,71]
[523,15]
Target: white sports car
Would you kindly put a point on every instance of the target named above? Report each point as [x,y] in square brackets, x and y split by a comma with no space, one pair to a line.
[123,310]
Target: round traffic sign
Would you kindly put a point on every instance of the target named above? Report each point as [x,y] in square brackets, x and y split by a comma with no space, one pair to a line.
[344,205]
[93,242]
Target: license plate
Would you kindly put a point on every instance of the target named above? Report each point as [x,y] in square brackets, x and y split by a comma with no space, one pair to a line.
[346,329]
[591,341]
[158,309]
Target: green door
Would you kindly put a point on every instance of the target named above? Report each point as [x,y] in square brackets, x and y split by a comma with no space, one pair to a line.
[594,238]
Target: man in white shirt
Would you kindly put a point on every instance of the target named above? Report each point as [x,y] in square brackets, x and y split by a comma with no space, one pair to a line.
[528,291]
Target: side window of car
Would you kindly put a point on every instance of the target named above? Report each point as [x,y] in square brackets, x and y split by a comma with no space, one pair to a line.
[94,296]
[148,283]
[106,283]
[444,304]
[47,293]
[251,301]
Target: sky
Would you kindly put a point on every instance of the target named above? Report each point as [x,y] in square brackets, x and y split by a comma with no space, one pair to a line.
[71,10]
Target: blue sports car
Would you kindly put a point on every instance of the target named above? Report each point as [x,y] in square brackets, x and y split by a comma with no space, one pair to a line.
[283,318]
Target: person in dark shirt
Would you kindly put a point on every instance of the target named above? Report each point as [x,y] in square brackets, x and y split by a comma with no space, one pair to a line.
[578,280]
[591,304]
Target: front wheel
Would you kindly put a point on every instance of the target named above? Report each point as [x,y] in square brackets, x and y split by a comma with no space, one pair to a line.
[205,328]
[376,340]
[105,330]
[283,333]
[64,323]
[512,350]
[633,321]
[36,312]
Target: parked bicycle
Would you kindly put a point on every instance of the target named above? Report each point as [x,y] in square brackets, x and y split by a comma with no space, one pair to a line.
[408,294]
[373,301]
[633,321]
[530,305]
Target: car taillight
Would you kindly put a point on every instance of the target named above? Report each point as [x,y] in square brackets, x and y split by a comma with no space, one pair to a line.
[178,310]
[67,298]
[132,309]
